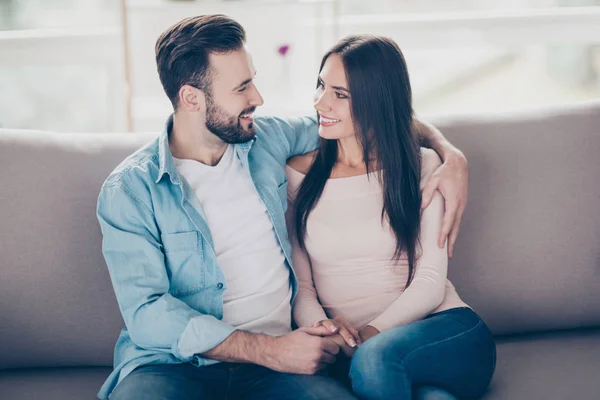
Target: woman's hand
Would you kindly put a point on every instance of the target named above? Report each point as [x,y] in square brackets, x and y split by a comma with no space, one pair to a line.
[345,330]
[341,343]
[452,180]
[368,332]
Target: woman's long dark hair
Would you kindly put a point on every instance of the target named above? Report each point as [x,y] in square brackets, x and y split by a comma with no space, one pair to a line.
[381,108]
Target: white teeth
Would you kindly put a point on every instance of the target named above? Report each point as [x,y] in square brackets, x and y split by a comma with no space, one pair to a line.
[246,116]
[329,121]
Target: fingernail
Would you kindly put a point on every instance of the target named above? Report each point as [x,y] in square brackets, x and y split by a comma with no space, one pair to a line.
[333,329]
[352,343]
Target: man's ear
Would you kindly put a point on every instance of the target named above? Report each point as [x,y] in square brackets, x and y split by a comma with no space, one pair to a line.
[192,99]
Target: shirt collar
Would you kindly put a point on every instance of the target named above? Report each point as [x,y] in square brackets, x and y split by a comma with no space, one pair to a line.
[165,157]
[166,164]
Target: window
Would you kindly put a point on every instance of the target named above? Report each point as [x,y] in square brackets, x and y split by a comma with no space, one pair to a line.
[61,65]
[62,62]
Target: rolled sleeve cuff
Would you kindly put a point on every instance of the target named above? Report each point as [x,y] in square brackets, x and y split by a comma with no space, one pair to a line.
[201,334]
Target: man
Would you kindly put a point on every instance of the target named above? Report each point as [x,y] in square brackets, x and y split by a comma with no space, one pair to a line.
[195,238]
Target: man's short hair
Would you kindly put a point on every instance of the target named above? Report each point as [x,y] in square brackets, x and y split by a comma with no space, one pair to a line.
[182,51]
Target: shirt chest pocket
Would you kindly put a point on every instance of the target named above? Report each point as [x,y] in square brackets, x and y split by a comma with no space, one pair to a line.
[184,260]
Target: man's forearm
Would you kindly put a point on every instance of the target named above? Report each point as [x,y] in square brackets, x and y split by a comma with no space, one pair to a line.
[242,347]
[431,137]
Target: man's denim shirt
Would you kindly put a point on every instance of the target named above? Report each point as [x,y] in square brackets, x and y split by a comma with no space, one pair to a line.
[159,250]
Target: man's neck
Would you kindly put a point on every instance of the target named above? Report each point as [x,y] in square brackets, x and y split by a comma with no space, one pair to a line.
[190,139]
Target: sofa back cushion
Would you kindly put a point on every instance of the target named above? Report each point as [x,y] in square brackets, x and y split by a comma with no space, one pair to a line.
[528,254]
[527,258]
[57,305]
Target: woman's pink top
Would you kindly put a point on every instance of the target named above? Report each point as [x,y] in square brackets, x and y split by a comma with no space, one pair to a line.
[349,270]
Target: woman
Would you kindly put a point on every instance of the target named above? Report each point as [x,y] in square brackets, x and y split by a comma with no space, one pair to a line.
[366,257]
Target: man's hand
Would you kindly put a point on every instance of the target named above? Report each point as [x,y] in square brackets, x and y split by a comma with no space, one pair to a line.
[452,180]
[341,326]
[303,351]
[341,343]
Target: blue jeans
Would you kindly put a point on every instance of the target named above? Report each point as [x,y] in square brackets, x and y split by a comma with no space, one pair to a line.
[447,355]
[225,381]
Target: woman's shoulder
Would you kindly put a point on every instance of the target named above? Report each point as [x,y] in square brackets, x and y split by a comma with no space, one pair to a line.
[296,169]
[302,163]
[429,158]
[430,161]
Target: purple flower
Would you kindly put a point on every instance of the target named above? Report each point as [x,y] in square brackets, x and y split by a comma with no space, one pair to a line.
[283,49]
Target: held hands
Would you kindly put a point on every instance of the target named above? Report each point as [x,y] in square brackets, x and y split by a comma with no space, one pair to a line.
[310,350]
[344,334]
[452,180]
[344,347]
[347,337]
[303,351]
[364,334]
[343,328]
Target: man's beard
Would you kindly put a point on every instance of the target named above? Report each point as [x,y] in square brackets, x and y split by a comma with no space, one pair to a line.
[226,127]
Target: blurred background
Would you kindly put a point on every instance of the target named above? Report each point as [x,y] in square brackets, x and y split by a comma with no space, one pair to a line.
[88,65]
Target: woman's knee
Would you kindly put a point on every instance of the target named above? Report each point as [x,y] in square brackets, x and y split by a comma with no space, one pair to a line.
[373,367]
[432,393]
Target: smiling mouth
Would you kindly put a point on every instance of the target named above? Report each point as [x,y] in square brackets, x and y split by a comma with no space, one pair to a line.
[248,115]
[324,121]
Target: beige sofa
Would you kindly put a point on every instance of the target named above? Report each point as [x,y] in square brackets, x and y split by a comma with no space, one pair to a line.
[527,259]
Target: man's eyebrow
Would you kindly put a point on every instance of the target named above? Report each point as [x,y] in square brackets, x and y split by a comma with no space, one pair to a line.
[247,81]
[336,87]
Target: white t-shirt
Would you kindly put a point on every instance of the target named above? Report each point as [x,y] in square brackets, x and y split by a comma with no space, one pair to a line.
[258,294]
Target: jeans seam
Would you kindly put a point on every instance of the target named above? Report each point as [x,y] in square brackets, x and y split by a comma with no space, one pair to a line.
[228,385]
[302,388]
[494,360]
[445,340]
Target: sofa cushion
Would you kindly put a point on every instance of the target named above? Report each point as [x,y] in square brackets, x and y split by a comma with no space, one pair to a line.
[52,383]
[549,366]
[528,257]
[554,366]
[57,305]
[528,253]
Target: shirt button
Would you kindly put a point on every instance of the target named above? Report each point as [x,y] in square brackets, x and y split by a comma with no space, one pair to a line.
[219,285]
